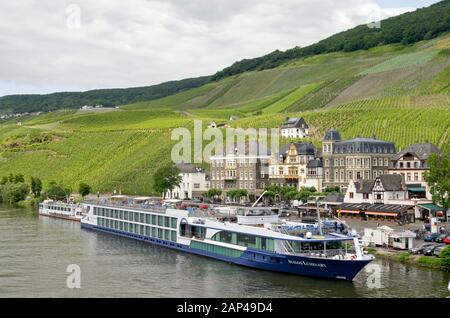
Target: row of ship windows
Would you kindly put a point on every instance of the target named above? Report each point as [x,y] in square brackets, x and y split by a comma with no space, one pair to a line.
[225,251]
[57,208]
[146,218]
[143,230]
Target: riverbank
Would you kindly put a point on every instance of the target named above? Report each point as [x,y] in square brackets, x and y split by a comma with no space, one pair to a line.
[36,252]
[408,258]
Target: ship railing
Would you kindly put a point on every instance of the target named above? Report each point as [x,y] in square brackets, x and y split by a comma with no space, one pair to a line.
[108,203]
[286,244]
[335,254]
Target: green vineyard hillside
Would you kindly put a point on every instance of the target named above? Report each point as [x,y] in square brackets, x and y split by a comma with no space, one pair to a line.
[395,92]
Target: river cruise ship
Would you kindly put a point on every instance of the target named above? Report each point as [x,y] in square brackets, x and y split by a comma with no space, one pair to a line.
[257,239]
[61,210]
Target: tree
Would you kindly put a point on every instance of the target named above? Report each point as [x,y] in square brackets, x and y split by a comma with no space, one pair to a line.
[57,192]
[19,178]
[291,195]
[166,179]
[14,192]
[304,194]
[84,189]
[237,194]
[213,193]
[36,186]
[335,189]
[445,258]
[4,180]
[274,191]
[438,178]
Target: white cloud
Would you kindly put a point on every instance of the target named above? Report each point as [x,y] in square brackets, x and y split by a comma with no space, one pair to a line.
[139,42]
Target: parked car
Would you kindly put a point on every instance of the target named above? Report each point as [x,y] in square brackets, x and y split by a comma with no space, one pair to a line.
[420,248]
[283,213]
[437,251]
[440,238]
[430,237]
[446,240]
[430,250]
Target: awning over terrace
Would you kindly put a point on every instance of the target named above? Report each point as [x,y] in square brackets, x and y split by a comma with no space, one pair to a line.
[392,210]
[432,208]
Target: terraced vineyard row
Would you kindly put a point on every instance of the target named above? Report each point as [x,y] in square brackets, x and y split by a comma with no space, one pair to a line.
[107,160]
[290,99]
[390,119]
[401,61]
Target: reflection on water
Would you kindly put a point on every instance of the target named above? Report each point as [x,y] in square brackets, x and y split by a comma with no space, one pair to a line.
[35,252]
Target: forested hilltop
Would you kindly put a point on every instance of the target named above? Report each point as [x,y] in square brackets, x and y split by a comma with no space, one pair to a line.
[105,97]
[408,28]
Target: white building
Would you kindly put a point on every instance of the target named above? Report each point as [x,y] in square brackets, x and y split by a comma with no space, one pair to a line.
[314,175]
[295,128]
[194,182]
[385,189]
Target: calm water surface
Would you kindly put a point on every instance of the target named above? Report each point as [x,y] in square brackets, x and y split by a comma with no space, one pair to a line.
[35,252]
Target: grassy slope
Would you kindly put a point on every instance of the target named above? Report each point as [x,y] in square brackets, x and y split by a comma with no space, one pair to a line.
[382,92]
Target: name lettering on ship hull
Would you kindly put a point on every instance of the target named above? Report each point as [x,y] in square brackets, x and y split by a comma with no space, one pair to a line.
[304,263]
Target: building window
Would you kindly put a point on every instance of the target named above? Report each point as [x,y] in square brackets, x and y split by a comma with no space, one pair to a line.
[351,195]
[358,175]
[365,196]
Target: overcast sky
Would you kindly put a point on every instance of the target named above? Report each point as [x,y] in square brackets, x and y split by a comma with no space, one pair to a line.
[59,45]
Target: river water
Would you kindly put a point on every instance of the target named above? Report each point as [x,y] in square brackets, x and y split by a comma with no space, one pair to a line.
[35,252]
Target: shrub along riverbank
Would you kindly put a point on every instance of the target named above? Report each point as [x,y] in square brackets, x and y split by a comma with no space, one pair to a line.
[442,262]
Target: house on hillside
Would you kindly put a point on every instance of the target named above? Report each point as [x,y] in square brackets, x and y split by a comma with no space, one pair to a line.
[213,124]
[295,128]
